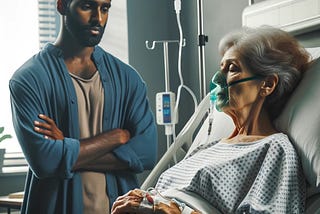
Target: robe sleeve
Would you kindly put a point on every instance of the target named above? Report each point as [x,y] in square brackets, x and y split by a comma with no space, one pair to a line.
[46,158]
[141,151]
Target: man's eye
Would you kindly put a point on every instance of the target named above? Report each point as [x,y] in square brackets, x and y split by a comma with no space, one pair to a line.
[85,6]
[105,9]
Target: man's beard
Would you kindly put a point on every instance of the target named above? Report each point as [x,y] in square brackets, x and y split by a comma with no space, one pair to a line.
[82,32]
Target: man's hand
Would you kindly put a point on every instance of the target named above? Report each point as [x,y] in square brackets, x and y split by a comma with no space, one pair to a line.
[48,128]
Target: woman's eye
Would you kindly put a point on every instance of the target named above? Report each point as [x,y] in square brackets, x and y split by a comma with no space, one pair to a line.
[233,68]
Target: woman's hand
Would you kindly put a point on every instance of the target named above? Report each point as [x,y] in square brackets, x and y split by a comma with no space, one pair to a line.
[48,128]
[163,208]
[128,203]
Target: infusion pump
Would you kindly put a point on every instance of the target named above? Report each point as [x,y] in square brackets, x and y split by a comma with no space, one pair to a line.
[165,104]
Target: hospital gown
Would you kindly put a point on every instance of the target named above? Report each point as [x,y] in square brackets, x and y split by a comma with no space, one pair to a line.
[258,177]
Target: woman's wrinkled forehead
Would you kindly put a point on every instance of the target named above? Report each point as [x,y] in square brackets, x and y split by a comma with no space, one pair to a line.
[230,55]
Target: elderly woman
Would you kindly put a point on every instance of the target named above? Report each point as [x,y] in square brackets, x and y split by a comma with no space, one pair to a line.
[256,169]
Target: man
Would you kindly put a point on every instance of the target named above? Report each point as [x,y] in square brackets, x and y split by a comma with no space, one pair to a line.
[82,118]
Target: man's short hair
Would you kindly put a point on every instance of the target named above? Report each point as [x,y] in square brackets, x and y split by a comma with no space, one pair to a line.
[62,6]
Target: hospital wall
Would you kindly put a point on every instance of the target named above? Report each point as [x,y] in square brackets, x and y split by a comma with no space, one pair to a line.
[310,39]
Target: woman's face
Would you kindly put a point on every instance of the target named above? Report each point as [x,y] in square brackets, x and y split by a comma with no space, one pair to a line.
[239,96]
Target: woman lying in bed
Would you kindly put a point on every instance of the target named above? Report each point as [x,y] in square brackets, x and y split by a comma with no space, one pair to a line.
[256,169]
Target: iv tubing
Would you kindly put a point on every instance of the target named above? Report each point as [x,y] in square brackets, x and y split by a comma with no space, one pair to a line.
[177,5]
[177,8]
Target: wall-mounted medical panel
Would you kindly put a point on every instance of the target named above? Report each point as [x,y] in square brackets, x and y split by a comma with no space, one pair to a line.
[295,16]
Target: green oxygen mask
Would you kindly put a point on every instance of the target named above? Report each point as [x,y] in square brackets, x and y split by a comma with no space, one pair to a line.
[219,93]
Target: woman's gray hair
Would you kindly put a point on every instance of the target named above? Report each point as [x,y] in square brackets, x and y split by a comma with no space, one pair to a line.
[267,51]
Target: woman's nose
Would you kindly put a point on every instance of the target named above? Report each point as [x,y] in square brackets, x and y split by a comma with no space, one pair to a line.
[220,79]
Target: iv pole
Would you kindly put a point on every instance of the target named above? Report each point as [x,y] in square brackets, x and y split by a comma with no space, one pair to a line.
[202,42]
[166,72]
[165,58]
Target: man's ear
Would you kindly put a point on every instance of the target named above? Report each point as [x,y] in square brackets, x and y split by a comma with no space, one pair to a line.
[269,84]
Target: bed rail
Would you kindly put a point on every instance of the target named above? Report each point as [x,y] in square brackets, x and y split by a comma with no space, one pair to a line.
[184,139]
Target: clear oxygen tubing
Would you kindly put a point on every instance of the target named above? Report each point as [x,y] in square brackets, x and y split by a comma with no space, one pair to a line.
[213,98]
[177,6]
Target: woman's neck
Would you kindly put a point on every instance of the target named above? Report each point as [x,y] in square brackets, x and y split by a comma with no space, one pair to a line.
[255,126]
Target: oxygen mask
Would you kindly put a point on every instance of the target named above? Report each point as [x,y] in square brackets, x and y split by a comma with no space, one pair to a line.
[219,93]
[219,96]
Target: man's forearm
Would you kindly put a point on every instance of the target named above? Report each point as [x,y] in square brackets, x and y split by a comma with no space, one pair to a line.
[104,163]
[92,149]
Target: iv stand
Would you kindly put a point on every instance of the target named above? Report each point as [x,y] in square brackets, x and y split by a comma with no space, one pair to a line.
[166,58]
[166,66]
[202,42]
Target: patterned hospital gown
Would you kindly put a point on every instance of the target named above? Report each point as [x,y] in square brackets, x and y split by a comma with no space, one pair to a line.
[259,177]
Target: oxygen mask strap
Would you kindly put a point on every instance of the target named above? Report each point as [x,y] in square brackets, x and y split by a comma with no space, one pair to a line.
[244,80]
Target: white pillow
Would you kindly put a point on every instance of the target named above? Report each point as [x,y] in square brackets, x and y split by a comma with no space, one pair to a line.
[300,120]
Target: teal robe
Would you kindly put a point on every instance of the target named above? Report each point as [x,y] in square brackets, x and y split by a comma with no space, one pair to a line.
[43,85]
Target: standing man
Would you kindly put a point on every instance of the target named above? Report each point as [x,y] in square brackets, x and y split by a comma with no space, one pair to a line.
[82,118]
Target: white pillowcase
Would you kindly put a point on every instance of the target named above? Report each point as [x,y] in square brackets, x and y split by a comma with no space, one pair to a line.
[300,120]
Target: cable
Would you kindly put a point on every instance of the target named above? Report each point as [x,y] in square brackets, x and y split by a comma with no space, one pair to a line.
[177,6]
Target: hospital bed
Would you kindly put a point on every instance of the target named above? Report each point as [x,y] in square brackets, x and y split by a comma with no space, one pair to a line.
[300,120]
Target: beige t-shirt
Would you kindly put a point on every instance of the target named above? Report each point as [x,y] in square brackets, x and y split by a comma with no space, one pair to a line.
[90,97]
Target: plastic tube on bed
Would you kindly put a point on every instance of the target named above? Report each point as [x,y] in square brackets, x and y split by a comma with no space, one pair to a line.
[213,98]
